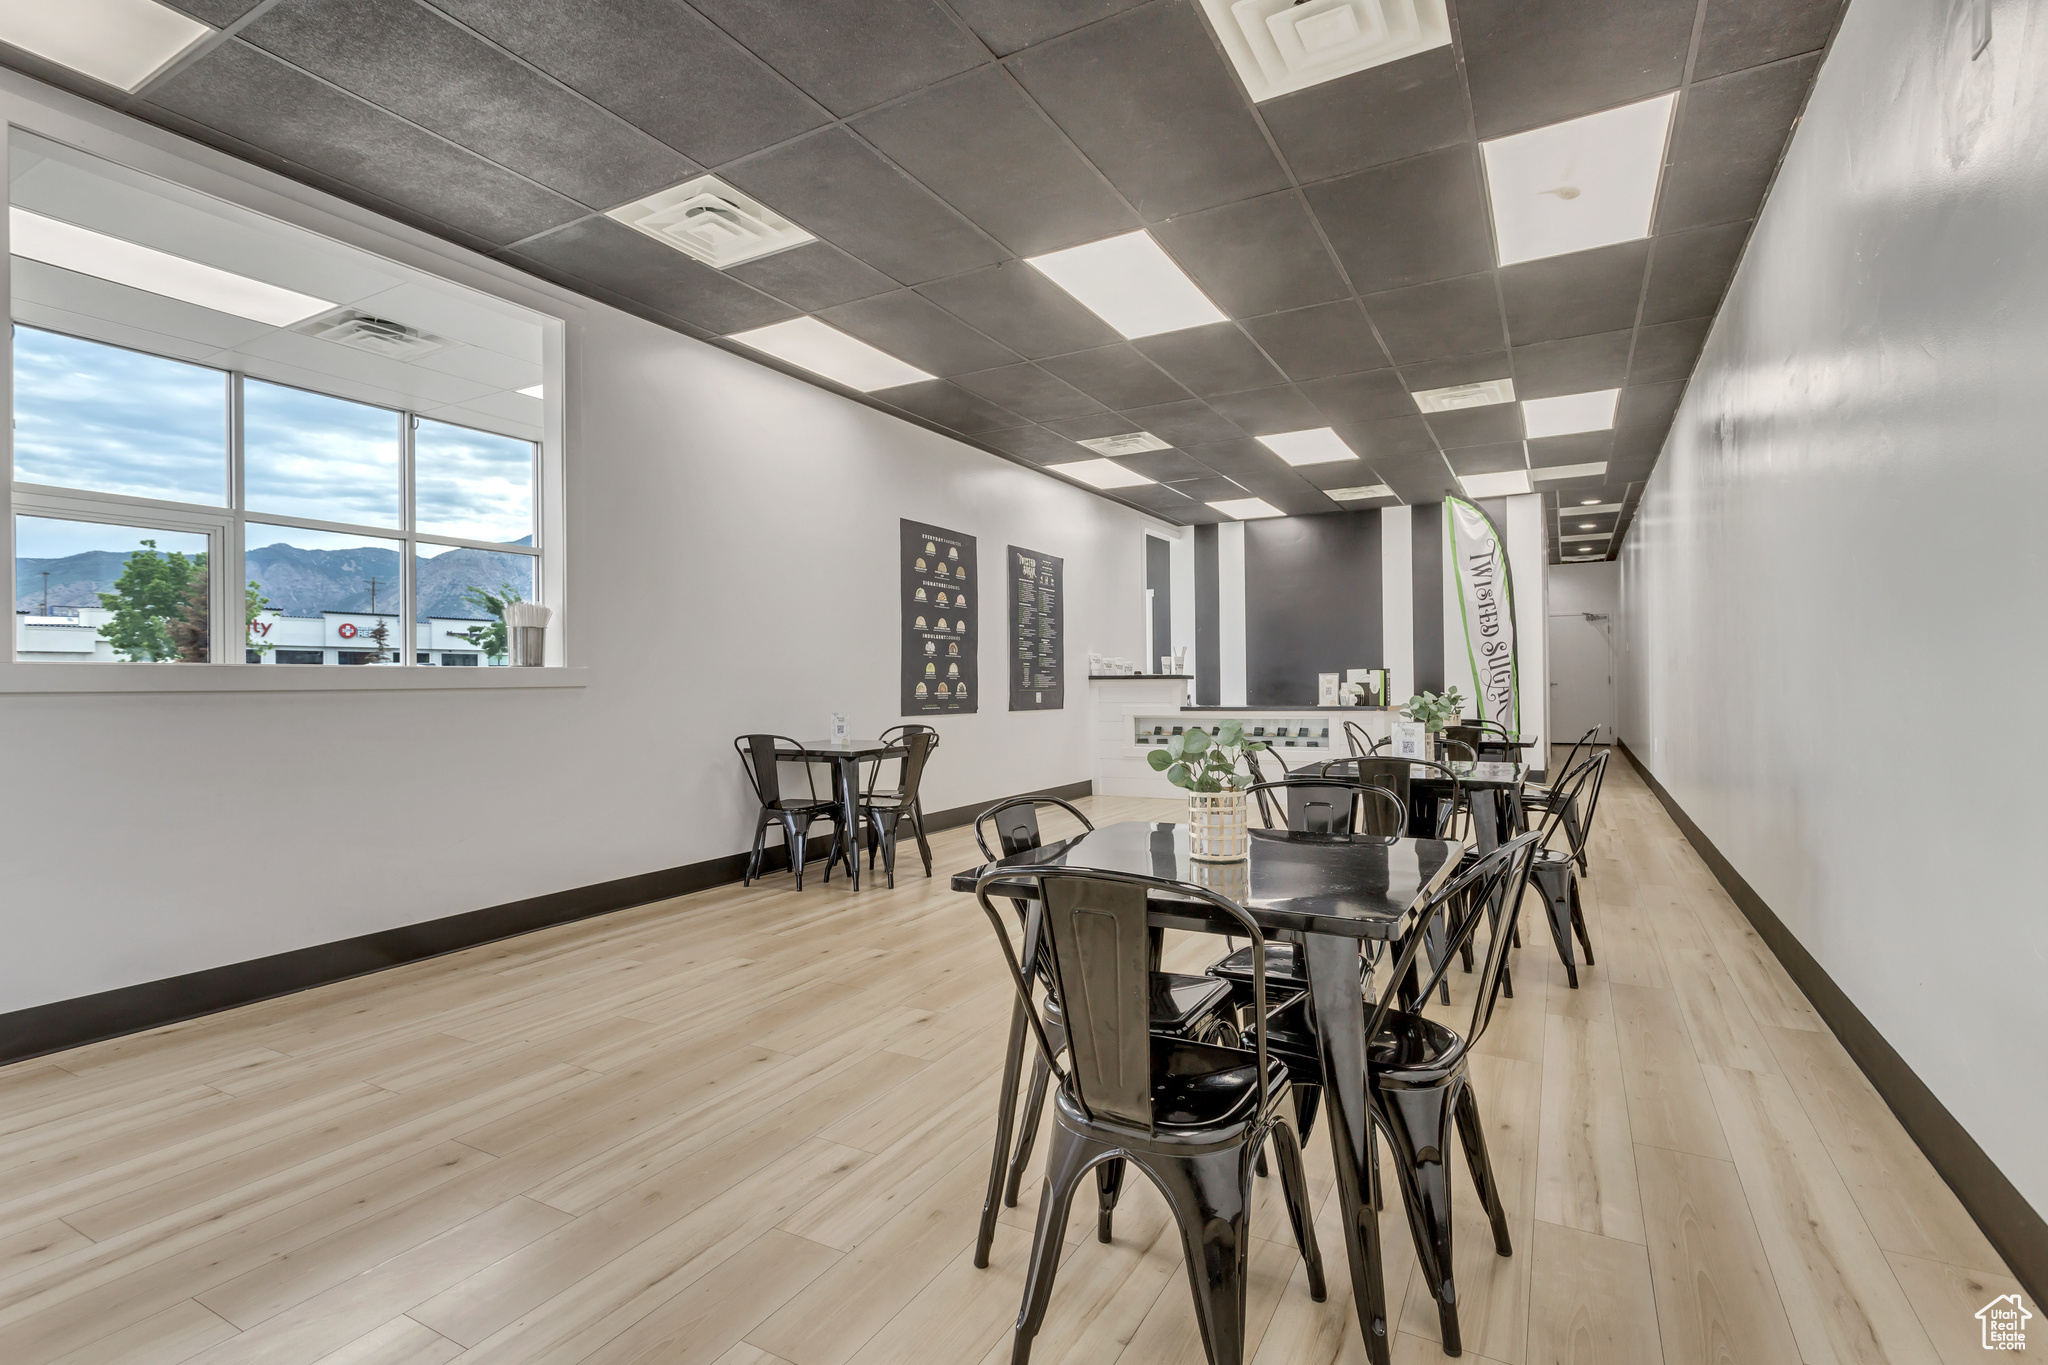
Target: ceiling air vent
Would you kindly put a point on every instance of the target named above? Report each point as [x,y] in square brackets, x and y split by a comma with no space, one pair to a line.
[1280,46]
[710,221]
[1130,443]
[1459,396]
[378,336]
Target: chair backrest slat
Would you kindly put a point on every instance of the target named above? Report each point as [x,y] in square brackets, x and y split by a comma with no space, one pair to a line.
[1564,795]
[759,757]
[1016,824]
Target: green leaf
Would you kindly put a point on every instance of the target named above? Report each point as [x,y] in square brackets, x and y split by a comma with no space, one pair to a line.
[1178,776]
[1257,746]
[1230,732]
[1160,760]
[1197,740]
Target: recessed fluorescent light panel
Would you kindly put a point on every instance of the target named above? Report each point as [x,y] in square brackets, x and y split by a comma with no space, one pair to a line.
[1130,284]
[69,247]
[1283,45]
[811,345]
[1590,507]
[710,221]
[1557,472]
[1569,413]
[1360,494]
[1247,509]
[1504,484]
[1130,443]
[1318,445]
[1460,396]
[1579,184]
[117,41]
[1100,473]
[537,391]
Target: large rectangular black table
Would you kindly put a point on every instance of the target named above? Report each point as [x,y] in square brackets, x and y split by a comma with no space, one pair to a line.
[1331,894]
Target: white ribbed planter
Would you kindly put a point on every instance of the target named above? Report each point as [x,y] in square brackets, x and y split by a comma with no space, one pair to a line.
[1219,827]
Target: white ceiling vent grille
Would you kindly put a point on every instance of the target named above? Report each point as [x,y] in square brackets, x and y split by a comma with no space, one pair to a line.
[711,221]
[1279,46]
[378,336]
[1131,443]
[1460,396]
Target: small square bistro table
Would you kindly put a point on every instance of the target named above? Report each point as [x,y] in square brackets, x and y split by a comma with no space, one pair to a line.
[846,756]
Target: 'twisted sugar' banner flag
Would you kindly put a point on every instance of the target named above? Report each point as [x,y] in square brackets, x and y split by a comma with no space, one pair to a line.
[1486,605]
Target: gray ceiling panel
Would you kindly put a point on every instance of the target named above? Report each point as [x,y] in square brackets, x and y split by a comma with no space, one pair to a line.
[1262,255]
[1037,445]
[1116,375]
[1371,117]
[1584,447]
[1149,101]
[1574,295]
[813,276]
[1093,425]
[1730,133]
[1546,369]
[1494,459]
[1029,392]
[1314,343]
[1632,467]
[219,13]
[1263,412]
[1418,478]
[1017,305]
[1501,422]
[1243,460]
[1012,25]
[656,64]
[1186,423]
[949,405]
[911,327]
[1360,397]
[836,187]
[1166,464]
[1464,369]
[1667,351]
[1648,404]
[851,56]
[1342,474]
[1209,360]
[1689,271]
[980,144]
[1439,321]
[1533,62]
[1745,33]
[1635,443]
[623,261]
[1410,222]
[1215,488]
[1387,437]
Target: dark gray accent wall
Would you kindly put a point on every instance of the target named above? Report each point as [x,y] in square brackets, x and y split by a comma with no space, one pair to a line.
[1208,617]
[1311,603]
[1159,578]
[1426,540]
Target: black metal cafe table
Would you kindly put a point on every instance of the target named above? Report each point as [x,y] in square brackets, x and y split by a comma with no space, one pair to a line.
[846,756]
[1493,790]
[1330,893]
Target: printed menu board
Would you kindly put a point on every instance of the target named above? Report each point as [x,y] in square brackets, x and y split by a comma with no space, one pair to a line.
[1038,612]
[940,589]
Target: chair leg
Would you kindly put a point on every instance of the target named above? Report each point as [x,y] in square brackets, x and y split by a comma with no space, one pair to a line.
[1109,1187]
[1006,1121]
[1554,885]
[754,860]
[1027,1136]
[924,848]
[838,842]
[1294,1185]
[1211,1200]
[1571,829]
[1068,1161]
[799,841]
[1472,1132]
[1579,922]
[1418,1124]
[887,831]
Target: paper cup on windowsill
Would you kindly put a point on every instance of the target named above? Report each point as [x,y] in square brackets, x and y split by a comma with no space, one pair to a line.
[526,632]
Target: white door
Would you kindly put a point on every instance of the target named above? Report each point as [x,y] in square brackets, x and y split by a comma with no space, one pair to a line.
[1581,676]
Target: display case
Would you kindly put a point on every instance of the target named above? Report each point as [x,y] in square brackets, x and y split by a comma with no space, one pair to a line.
[1282,732]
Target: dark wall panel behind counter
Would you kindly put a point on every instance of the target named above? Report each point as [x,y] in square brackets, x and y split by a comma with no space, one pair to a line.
[1311,603]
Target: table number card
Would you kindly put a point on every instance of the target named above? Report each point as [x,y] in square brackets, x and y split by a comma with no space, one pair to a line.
[1326,689]
[1411,740]
[841,730]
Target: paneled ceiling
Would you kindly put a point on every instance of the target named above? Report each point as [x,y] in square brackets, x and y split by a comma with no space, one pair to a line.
[931,145]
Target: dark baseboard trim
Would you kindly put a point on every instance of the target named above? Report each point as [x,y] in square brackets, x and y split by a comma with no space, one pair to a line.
[2009,1222]
[63,1024]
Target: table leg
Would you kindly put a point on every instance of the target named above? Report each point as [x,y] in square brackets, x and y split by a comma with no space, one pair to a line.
[849,806]
[1339,1007]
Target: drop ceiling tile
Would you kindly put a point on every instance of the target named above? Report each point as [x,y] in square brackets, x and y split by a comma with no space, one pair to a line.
[614,257]
[911,327]
[1418,479]
[851,57]
[1464,369]
[1576,294]
[421,67]
[1410,222]
[1575,523]
[1636,443]
[1257,256]
[949,405]
[981,145]
[1344,474]
[1667,351]
[1583,447]
[1360,397]
[1388,437]
[1116,375]
[1294,495]
[1218,358]
[1689,271]
[1215,488]
[1036,444]
[1149,101]
[252,97]
[1494,459]
[1730,133]
[1186,423]
[1017,305]
[1094,425]
[1313,343]
[1493,425]
[1241,459]
[1536,62]
[657,64]
[1371,117]
[1745,33]
[813,276]
[1029,392]
[1263,412]
[1166,465]
[1155,496]
[1632,467]
[1012,25]
[219,13]
[1439,320]
[1545,369]
[831,184]
[1648,404]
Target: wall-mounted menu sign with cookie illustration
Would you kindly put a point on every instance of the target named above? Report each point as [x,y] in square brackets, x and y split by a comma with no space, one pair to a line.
[1038,614]
[939,637]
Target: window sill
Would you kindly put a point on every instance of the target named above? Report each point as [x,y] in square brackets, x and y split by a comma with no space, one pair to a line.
[63,678]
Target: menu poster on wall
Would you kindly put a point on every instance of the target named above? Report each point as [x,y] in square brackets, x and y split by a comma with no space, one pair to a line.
[941,585]
[1038,613]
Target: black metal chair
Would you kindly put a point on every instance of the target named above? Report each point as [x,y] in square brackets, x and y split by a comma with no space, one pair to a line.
[1182,1007]
[1256,767]
[894,735]
[883,814]
[1190,1115]
[1488,740]
[760,757]
[1536,797]
[1556,871]
[1362,744]
[1321,803]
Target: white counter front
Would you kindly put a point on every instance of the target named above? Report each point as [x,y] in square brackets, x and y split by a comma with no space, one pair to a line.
[1135,715]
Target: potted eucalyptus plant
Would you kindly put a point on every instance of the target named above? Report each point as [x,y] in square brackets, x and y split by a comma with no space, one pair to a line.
[1435,712]
[1210,769]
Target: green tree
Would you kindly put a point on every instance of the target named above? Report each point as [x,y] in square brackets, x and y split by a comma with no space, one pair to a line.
[491,638]
[254,604]
[152,603]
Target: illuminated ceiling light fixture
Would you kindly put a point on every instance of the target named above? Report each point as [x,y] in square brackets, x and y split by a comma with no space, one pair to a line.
[1569,413]
[1579,184]
[1247,509]
[1504,484]
[537,391]
[1319,445]
[1130,284]
[121,42]
[70,247]
[809,344]
[1100,473]
[1557,472]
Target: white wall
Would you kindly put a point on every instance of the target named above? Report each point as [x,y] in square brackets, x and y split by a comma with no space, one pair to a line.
[1831,591]
[1594,587]
[732,535]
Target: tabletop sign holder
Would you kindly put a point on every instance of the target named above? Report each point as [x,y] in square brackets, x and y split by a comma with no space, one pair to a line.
[842,730]
[1411,740]
[1326,689]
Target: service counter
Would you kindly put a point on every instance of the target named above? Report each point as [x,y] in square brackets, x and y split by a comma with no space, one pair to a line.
[1136,714]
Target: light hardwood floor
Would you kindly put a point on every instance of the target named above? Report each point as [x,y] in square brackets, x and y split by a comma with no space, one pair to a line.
[750,1127]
